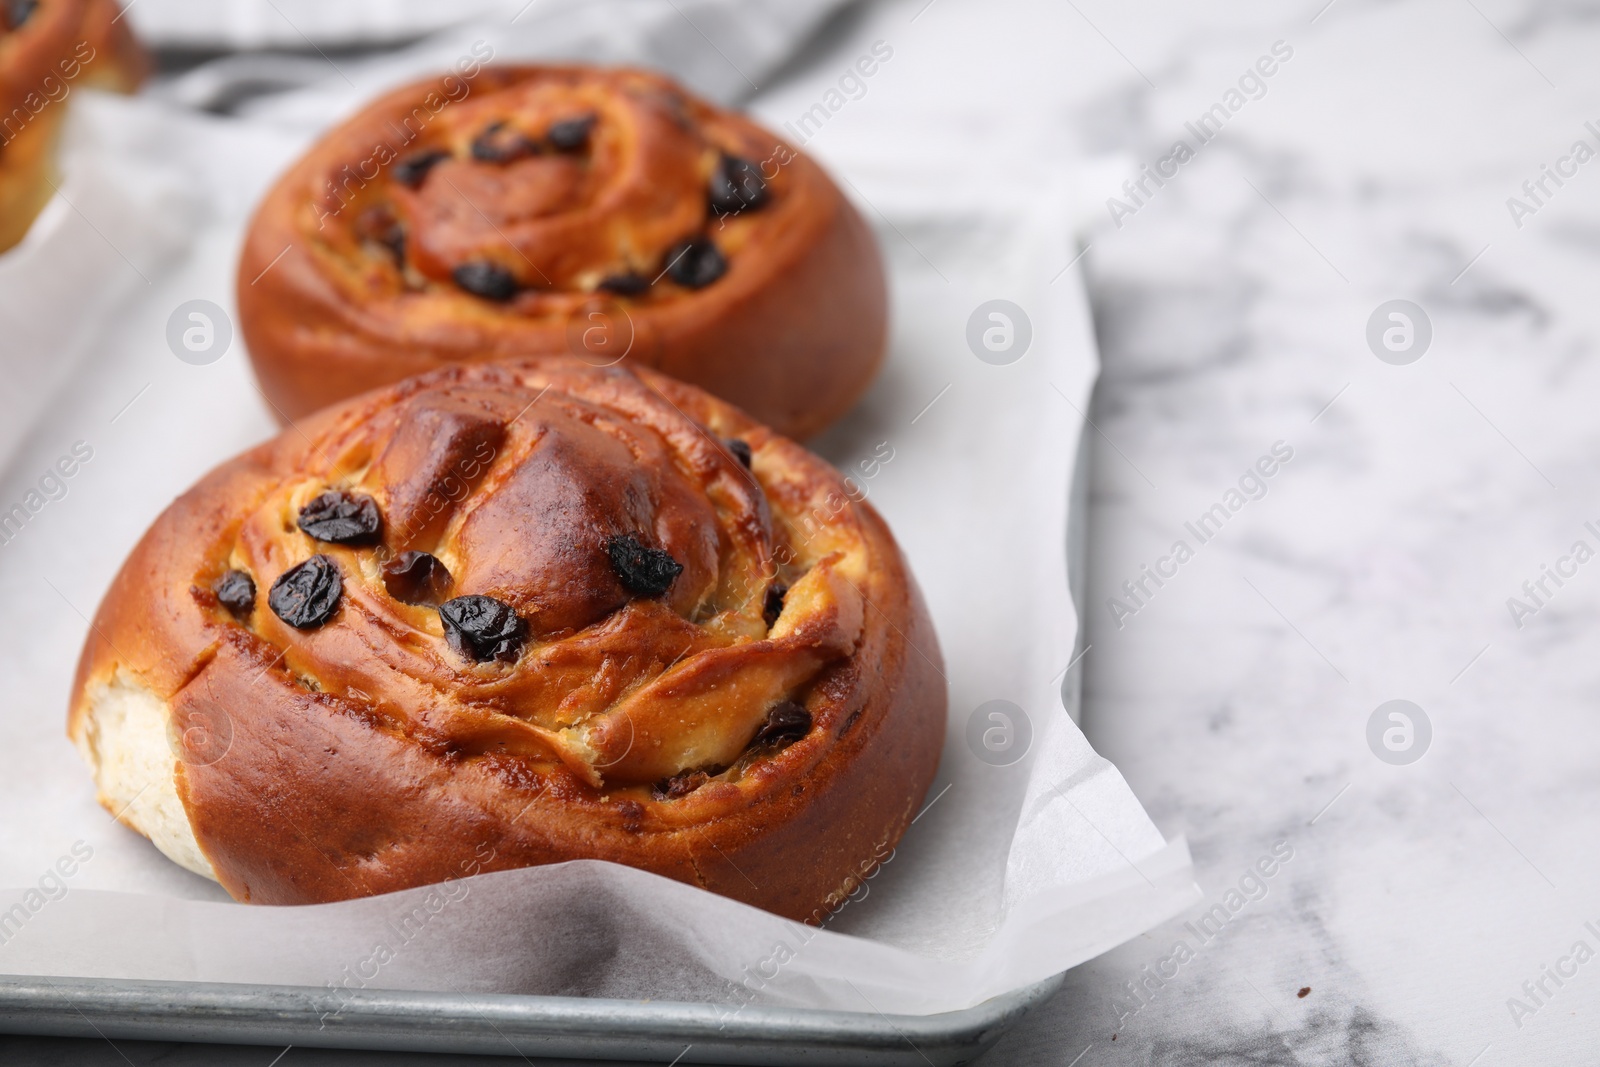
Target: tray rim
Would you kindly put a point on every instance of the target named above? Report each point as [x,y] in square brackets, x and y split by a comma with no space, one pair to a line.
[501,1023]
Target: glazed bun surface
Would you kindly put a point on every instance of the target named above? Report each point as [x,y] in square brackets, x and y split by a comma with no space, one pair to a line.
[48,48]
[596,212]
[513,614]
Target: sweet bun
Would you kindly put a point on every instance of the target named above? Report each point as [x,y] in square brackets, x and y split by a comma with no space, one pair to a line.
[603,213]
[47,49]
[513,614]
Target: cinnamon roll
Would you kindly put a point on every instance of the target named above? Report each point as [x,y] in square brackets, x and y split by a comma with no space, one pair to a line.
[47,49]
[603,213]
[512,614]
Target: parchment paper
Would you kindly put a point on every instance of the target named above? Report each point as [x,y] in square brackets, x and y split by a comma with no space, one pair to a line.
[1010,874]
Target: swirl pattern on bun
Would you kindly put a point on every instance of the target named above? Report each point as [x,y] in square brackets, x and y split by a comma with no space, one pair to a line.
[513,614]
[47,49]
[602,213]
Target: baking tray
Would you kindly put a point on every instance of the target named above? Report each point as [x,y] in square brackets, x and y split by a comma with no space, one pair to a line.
[571,1027]
[501,1024]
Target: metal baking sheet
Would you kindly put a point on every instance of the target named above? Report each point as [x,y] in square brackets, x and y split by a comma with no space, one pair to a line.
[499,1024]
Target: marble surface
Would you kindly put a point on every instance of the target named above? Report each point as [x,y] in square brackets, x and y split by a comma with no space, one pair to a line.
[1419,905]
[1232,312]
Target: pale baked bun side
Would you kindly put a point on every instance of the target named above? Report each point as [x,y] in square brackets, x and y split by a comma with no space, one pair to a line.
[49,49]
[512,614]
[124,735]
[516,211]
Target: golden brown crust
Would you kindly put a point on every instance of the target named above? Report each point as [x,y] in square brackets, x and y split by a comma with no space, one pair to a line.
[368,754]
[347,276]
[56,46]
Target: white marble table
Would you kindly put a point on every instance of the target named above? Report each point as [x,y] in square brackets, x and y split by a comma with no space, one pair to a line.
[1232,309]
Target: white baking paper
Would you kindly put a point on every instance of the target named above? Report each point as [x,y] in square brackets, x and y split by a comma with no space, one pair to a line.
[1009,875]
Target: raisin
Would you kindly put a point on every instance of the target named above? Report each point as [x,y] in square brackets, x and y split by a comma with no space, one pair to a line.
[571,135]
[306,596]
[416,578]
[741,450]
[679,785]
[632,813]
[625,284]
[495,145]
[236,591]
[695,263]
[737,185]
[379,225]
[413,169]
[482,628]
[786,723]
[774,605]
[341,518]
[643,571]
[488,280]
